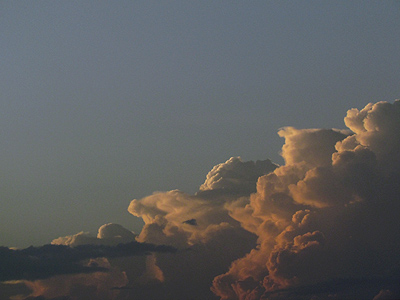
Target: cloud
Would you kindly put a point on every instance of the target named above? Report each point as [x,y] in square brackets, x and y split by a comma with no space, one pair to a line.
[236,176]
[323,215]
[43,262]
[313,147]
[202,223]
[322,226]
[376,128]
[108,234]
[81,266]
[98,285]
[49,260]
[330,211]
[181,220]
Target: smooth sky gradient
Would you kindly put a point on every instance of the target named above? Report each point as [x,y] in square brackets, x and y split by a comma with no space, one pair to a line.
[103,102]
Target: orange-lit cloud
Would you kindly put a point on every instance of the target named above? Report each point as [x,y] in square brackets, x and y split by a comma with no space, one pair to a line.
[324,225]
[329,213]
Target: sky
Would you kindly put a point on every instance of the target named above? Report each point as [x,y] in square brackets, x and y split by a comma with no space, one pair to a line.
[124,122]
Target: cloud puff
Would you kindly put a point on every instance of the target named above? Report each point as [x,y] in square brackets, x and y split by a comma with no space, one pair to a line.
[376,128]
[313,147]
[46,261]
[236,176]
[108,234]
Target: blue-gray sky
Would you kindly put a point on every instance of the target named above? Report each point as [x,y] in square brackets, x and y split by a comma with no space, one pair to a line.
[106,101]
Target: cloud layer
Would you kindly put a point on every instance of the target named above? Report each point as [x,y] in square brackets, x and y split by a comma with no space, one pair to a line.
[43,262]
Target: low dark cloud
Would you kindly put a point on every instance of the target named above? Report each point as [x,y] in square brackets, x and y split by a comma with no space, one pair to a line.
[49,260]
[341,288]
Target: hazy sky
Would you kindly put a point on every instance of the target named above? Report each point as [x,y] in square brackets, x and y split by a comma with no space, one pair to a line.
[103,102]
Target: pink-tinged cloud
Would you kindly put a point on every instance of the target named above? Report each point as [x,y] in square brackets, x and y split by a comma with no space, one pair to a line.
[324,225]
[330,212]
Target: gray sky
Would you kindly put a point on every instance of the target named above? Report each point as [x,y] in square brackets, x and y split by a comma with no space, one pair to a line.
[106,101]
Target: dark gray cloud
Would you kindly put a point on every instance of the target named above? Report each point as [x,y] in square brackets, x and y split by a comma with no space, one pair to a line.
[341,288]
[49,260]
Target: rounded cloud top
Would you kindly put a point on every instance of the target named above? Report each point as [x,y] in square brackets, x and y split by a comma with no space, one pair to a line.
[236,175]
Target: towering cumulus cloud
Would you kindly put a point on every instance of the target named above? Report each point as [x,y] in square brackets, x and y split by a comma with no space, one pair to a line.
[327,221]
[325,225]
[201,224]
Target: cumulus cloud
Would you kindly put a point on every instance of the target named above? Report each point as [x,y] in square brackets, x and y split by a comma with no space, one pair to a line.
[108,234]
[202,223]
[329,212]
[236,175]
[322,226]
[313,147]
[179,219]
[325,216]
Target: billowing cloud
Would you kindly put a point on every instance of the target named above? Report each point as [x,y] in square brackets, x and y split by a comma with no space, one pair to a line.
[322,226]
[307,215]
[330,212]
[202,223]
[181,220]
[236,175]
[312,147]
